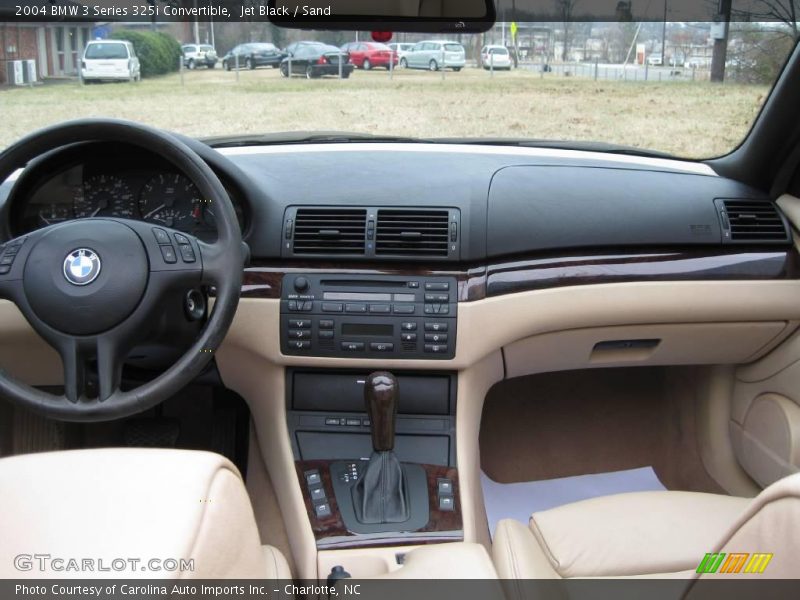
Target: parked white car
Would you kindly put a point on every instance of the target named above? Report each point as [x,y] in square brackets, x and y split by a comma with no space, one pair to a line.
[435,55]
[655,60]
[497,57]
[401,50]
[110,60]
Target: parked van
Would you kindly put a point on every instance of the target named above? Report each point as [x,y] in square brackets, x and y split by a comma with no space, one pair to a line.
[435,55]
[110,60]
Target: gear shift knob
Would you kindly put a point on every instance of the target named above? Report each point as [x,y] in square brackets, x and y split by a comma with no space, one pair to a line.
[380,396]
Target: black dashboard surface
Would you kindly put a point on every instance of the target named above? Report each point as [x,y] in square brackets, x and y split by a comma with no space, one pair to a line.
[512,201]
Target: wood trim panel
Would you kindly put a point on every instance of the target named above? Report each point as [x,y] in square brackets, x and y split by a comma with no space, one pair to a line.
[560,271]
[263,279]
[333,526]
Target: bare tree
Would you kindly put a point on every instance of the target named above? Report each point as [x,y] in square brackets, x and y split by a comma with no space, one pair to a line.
[784,11]
[564,9]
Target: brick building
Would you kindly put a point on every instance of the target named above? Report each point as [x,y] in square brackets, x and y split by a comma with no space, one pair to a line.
[56,47]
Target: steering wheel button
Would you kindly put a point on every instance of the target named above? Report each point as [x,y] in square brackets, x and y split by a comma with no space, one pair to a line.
[181,239]
[161,236]
[4,269]
[7,259]
[187,254]
[168,254]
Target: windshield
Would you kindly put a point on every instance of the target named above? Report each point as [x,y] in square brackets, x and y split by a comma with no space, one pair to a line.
[107,51]
[645,86]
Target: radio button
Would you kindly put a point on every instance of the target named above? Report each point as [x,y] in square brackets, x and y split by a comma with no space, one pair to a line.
[379,347]
[437,297]
[414,285]
[437,287]
[300,334]
[326,335]
[326,324]
[300,323]
[380,308]
[353,346]
[435,348]
[408,326]
[436,338]
[329,307]
[299,345]
[404,309]
[408,337]
[356,308]
[306,306]
[436,327]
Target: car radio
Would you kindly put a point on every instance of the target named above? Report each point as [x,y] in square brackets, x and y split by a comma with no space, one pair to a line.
[369,317]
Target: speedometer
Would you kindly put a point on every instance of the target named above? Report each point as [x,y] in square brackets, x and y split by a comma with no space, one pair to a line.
[172,200]
[105,196]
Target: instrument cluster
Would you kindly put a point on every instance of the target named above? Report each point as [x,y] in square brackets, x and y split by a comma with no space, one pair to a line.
[152,193]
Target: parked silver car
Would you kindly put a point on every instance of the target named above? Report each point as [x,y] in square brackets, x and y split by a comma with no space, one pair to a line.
[199,55]
[435,55]
[401,49]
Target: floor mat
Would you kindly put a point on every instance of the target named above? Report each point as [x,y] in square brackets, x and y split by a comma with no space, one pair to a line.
[519,500]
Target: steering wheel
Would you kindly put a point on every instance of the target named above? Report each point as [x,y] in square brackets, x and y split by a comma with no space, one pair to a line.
[92,287]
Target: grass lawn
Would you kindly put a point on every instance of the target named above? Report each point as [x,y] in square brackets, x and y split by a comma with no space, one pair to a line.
[686,119]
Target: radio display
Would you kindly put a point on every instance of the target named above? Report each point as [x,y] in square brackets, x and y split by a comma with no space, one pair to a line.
[368,329]
[357,296]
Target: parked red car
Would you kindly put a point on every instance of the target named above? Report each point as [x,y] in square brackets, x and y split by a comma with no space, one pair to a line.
[366,55]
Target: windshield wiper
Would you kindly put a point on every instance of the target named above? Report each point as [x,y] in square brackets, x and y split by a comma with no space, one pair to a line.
[304,137]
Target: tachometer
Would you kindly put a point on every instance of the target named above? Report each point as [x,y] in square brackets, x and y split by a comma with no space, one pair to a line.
[172,200]
[105,196]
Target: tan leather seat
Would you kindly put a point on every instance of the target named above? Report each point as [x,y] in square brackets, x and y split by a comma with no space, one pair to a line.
[652,534]
[94,509]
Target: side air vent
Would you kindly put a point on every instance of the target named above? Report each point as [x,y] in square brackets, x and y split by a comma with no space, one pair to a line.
[414,233]
[328,231]
[751,221]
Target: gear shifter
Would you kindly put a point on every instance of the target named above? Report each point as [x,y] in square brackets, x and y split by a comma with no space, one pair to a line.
[381,495]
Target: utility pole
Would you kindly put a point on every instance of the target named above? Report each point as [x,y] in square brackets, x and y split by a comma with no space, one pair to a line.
[720,32]
[664,37]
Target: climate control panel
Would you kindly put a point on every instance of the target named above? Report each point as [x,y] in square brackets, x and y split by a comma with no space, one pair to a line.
[368,317]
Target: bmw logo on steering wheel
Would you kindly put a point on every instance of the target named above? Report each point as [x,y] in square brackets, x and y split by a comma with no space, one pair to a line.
[82,266]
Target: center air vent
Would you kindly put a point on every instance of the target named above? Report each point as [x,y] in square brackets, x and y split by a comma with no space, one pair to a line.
[329,231]
[372,233]
[414,233]
[751,221]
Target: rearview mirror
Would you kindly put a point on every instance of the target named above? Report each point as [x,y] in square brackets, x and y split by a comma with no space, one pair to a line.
[430,16]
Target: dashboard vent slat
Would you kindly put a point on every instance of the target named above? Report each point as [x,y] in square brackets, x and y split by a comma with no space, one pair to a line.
[412,232]
[752,221]
[330,231]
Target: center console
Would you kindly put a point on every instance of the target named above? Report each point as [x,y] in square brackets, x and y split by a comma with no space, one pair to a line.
[374,451]
[356,435]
